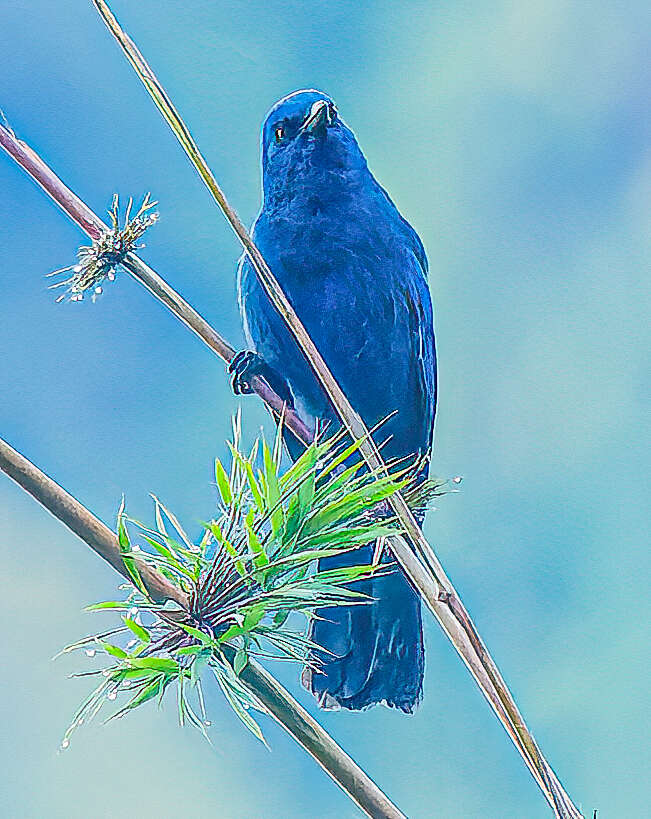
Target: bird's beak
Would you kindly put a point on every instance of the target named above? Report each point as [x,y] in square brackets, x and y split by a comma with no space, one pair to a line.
[319,118]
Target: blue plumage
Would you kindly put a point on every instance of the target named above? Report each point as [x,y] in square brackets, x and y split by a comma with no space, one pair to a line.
[355,272]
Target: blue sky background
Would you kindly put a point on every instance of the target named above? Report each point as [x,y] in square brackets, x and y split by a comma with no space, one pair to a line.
[515,138]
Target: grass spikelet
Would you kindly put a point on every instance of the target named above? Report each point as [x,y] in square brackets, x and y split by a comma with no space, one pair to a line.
[100,260]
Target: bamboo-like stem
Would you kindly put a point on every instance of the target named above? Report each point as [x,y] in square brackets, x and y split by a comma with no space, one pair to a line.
[287,712]
[428,576]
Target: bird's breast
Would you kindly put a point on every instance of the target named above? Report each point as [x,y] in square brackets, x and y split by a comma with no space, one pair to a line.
[345,267]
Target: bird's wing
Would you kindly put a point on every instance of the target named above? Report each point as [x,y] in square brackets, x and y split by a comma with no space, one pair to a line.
[422,347]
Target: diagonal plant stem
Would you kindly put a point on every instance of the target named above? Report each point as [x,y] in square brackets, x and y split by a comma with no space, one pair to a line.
[284,709]
[426,574]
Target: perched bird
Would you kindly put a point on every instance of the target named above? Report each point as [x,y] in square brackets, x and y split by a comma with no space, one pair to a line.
[356,273]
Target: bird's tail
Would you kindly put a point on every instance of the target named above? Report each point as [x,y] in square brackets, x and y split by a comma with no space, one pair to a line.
[374,652]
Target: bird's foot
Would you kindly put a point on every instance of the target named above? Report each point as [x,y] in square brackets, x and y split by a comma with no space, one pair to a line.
[246,365]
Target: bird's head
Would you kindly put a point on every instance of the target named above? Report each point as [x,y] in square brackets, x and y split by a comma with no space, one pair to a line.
[303,135]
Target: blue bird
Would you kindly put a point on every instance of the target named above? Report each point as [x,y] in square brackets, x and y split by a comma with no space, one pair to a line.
[356,273]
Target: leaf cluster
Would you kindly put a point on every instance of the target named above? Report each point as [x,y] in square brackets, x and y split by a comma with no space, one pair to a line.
[256,563]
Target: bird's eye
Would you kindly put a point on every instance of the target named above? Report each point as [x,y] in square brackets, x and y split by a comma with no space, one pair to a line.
[280,133]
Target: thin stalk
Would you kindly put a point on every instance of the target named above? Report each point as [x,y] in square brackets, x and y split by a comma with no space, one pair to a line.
[285,710]
[426,574]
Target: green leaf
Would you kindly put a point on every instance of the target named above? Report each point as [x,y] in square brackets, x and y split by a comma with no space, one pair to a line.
[226,544]
[204,638]
[198,724]
[223,483]
[353,504]
[230,633]
[185,650]
[150,691]
[255,487]
[240,661]
[136,673]
[236,704]
[160,523]
[140,631]
[252,616]
[303,556]
[302,497]
[215,530]
[340,537]
[300,467]
[116,651]
[167,554]
[196,666]
[278,441]
[127,552]
[89,706]
[334,463]
[156,664]
[180,694]
[280,618]
[94,638]
[306,488]
[347,574]
[346,478]
[175,523]
[255,546]
[273,491]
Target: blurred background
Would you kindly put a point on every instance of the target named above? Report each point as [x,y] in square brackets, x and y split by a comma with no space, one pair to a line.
[515,138]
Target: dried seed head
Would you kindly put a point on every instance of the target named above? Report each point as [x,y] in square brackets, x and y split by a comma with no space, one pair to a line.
[102,258]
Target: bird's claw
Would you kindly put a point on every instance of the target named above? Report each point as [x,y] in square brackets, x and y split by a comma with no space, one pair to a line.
[244,366]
